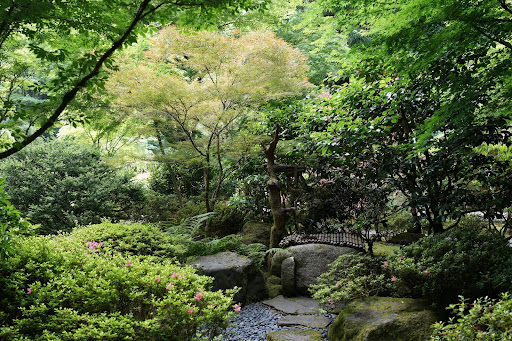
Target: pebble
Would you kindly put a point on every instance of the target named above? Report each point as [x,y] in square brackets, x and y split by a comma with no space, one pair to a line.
[255,320]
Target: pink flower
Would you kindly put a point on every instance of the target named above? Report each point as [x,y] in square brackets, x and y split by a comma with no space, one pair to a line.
[237,307]
[129,263]
[176,275]
[158,279]
[393,278]
[401,257]
[198,296]
[169,286]
[29,290]
[385,263]
[338,284]
[190,310]
[330,301]
[138,309]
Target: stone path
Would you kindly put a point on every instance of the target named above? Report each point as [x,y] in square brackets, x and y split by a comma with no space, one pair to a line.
[302,315]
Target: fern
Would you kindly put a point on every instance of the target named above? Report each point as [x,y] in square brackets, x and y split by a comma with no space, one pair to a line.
[191,225]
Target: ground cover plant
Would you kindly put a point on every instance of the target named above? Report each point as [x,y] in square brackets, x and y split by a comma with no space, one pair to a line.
[63,288]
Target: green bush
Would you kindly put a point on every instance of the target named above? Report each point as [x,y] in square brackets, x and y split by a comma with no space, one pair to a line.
[463,261]
[227,220]
[484,319]
[11,223]
[133,239]
[60,185]
[64,289]
[351,276]
[157,207]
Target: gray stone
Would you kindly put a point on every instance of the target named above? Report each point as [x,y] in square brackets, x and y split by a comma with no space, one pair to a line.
[277,260]
[310,321]
[294,335]
[288,276]
[294,305]
[312,260]
[384,319]
[232,270]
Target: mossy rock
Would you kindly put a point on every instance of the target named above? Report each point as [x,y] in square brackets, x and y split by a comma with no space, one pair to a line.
[277,261]
[294,335]
[256,232]
[384,319]
[405,238]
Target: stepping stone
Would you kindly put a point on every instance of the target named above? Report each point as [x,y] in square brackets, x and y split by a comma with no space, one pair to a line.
[309,321]
[294,305]
[294,335]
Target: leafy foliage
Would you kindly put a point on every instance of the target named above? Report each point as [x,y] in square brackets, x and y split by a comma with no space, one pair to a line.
[67,288]
[133,239]
[11,223]
[463,261]
[350,277]
[71,44]
[484,318]
[60,185]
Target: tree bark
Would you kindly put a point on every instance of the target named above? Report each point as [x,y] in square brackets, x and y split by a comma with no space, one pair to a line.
[278,230]
[174,178]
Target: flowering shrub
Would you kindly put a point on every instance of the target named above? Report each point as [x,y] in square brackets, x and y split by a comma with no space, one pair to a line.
[463,261]
[351,276]
[62,288]
[484,319]
[133,239]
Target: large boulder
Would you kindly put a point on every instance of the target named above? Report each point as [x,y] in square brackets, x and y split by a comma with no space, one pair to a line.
[383,319]
[233,270]
[311,260]
[256,232]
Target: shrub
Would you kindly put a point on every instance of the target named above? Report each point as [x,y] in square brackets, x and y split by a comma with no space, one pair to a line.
[60,185]
[484,319]
[66,289]
[227,220]
[133,239]
[463,261]
[11,223]
[351,276]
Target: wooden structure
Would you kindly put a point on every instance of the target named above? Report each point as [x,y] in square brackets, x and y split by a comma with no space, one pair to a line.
[343,238]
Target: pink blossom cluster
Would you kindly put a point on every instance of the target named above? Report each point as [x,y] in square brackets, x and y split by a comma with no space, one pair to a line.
[93,246]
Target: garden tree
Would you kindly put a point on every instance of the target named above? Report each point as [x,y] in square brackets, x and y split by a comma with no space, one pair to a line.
[205,83]
[429,90]
[70,43]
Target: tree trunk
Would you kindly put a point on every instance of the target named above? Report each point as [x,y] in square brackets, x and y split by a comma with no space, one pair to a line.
[174,178]
[278,230]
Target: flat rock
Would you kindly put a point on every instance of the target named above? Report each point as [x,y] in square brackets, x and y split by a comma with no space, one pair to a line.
[294,335]
[310,321]
[294,305]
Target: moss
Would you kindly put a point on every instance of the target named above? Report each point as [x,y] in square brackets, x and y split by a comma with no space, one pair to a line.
[274,290]
[274,280]
[256,232]
[385,249]
[382,318]
[294,334]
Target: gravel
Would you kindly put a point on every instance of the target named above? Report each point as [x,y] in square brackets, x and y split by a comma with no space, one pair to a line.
[255,320]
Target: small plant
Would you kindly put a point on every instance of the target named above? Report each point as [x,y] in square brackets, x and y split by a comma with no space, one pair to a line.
[484,319]
[351,276]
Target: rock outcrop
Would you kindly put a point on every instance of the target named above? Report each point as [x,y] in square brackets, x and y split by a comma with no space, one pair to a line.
[383,319]
[233,270]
